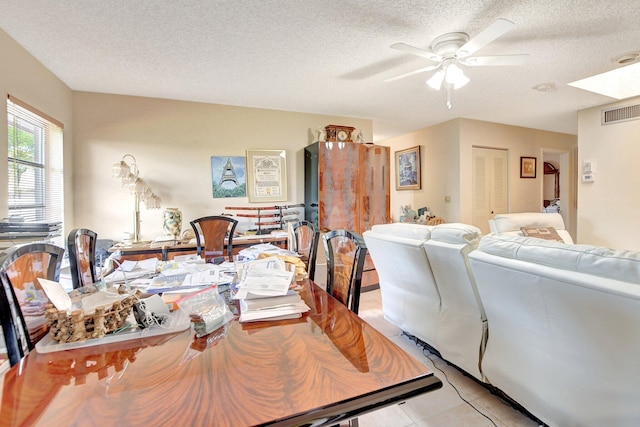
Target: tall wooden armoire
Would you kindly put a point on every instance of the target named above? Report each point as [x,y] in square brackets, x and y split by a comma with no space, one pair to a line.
[347,185]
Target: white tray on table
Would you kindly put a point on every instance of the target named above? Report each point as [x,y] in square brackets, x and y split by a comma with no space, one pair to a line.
[178,323]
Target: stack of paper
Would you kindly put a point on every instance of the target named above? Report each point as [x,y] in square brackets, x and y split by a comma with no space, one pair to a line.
[183,277]
[289,306]
[263,291]
[254,251]
[130,270]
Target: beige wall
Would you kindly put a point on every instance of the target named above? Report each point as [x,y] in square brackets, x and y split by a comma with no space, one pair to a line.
[609,208]
[22,76]
[173,142]
[440,164]
[446,166]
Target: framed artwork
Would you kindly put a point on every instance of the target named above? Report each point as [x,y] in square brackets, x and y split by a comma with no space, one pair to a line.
[267,175]
[408,169]
[528,167]
[228,176]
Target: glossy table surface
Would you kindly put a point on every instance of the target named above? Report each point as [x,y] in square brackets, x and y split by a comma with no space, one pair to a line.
[326,366]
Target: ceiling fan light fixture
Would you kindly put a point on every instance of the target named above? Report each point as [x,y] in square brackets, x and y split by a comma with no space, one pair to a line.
[455,76]
[435,81]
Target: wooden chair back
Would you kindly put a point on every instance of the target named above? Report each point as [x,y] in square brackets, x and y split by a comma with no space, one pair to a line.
[22,301]
[345,252]
[305,242]
[213,235]
[81,246]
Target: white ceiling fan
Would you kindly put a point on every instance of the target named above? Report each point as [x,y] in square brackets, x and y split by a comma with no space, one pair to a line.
[453,49]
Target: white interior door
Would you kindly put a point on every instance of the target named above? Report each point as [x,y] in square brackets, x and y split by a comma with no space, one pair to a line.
[490,185]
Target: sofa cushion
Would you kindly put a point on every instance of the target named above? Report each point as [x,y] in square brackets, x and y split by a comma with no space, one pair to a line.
[402,229]
[512,222]
[588,259]
[456,233]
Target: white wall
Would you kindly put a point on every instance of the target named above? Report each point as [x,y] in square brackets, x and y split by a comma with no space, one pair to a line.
[440,164]
[22,76]
[446,166]
[173,142]
[525,194]
[609,208]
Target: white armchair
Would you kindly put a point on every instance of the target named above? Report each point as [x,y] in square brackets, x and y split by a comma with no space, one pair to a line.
[462,326]
[410,298]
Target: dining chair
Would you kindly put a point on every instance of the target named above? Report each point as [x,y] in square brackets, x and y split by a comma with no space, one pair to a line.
[305,242]
[213,234]
[345,252]
[81,246]
[22,301]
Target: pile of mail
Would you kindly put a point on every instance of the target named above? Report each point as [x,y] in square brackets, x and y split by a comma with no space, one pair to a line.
[263,291]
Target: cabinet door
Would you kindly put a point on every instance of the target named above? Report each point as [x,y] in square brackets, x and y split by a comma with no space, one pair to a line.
[374,193]
[338,186]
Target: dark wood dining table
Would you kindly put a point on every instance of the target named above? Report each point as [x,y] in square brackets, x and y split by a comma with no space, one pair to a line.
[325,367]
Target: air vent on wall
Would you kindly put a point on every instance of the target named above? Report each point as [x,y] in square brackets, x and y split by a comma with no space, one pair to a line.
[620,114]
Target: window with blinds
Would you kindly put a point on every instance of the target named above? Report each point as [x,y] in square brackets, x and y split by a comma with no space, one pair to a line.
[35,164]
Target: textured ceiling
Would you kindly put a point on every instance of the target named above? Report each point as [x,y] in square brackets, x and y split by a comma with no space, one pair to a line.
[330,57]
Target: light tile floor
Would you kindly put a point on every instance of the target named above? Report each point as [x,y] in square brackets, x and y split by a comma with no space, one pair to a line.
[443,407]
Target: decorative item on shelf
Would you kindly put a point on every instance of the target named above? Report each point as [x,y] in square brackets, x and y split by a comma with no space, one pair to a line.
[172,222]
[266,219]
[129,175]
[436,220]
[423,215]
[322,134]
[338,134]
[407,214]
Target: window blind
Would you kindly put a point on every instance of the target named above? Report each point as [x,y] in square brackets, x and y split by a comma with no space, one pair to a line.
[35,164]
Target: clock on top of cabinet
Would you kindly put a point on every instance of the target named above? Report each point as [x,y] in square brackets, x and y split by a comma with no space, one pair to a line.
[338,133]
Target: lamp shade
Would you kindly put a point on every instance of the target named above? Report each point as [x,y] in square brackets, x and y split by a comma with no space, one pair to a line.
[435,82]
[153,202]
[128,180]
[120,169]
[455,76]
[138,187]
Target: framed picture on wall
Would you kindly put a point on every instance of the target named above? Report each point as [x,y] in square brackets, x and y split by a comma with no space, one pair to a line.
[228,177]
[408,169]
[528,167]
[267,175]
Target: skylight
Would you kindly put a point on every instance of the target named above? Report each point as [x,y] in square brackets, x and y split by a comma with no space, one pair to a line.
[620,83]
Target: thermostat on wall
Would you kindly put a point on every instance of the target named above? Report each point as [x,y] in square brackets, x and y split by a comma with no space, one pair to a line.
[588,170]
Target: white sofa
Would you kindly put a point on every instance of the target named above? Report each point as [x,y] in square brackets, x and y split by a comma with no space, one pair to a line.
[410,299]
[511,223]
[427,288]
[564,328]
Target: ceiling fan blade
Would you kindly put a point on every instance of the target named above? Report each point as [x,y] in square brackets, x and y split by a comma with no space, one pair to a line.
[477,61]
[489,34]
[417,51]
[411,73]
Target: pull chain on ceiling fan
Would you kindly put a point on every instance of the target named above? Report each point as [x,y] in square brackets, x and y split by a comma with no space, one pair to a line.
[450,50]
